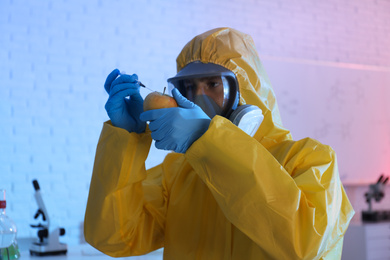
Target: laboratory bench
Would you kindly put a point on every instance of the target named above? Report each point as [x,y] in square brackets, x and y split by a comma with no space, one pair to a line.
[84,252]
[367,241]
[362,241]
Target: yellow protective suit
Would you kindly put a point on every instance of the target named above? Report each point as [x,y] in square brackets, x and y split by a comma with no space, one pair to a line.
[230,196]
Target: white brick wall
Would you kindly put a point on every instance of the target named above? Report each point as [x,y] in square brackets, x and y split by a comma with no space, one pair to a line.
[55,56]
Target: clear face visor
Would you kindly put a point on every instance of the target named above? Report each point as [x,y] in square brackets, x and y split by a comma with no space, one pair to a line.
[216,95]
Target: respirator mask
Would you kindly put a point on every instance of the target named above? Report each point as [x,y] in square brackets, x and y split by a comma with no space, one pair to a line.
[215,89]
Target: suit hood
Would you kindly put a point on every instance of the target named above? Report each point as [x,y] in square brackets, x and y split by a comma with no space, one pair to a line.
[236,52]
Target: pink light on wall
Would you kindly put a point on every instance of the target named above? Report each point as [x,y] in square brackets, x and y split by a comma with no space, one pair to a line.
[345,107]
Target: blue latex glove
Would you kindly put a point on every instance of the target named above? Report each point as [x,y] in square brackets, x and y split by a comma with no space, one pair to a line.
[177,128]
[124,104]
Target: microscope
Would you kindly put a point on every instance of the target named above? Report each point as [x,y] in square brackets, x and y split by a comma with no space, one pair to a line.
[376,192]
[48,238]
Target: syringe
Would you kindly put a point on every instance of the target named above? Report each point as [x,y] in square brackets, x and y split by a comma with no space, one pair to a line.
[142,85]
[139,82]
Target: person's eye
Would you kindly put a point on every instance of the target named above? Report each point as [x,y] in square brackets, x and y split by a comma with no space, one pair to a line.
[188,86]
[213,84]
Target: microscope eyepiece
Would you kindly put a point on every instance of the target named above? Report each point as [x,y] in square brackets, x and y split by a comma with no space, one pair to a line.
[36,185]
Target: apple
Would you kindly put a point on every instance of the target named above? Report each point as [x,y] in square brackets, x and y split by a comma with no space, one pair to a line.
[157,100]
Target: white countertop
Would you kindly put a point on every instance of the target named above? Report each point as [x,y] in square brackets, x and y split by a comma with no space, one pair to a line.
[85,251]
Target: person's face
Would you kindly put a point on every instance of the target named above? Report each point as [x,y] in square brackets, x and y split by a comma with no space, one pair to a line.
[210,86]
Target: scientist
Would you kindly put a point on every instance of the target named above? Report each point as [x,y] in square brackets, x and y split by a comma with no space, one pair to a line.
[230,190]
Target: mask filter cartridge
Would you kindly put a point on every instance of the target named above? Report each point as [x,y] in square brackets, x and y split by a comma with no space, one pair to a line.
[248,118]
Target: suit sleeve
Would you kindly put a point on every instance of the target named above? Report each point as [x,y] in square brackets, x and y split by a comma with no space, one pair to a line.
[289,200]
[125,212]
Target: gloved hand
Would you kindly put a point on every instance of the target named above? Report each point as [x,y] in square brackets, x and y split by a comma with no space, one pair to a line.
[124,104]
[177,128]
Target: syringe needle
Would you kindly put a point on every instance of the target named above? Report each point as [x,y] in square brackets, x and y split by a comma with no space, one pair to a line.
[142,85]
[139,82]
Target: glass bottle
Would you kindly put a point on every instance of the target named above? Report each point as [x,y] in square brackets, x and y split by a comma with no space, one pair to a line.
[8,245]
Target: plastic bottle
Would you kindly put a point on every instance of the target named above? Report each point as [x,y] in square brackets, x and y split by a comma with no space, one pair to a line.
[8,245]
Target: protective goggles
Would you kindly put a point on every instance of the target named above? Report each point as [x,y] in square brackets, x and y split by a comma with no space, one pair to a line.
[210,86]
